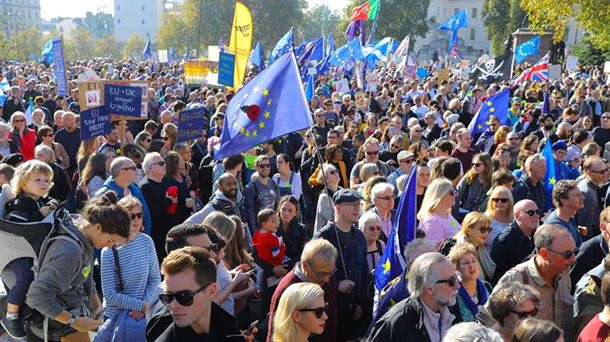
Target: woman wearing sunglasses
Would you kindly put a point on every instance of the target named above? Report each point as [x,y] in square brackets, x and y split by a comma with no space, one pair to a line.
[475,231]
[128,294]
[472,188]
[325,205]
[500,211]
[301,312]
[473,292]
[370,225]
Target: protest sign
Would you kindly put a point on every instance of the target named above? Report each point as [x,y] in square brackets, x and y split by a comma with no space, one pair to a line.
[123,100]
[196,72]
[442,76]
[422,73]
[411,71]
[190,123]
[163,58]
[606,67]
[554,72]
[571,63]
[59,69]
[226,69]
[342,86]
[94,122]
[91,94]
[360,100]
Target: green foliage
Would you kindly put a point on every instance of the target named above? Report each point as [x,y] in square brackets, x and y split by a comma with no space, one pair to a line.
[133,46]
[320,21]
[587,53]
[80,46]
[99,24]
[501,18]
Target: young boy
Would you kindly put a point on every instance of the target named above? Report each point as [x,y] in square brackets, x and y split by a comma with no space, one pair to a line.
[269,247]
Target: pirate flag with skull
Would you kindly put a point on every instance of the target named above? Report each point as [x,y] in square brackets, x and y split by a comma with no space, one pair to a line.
[493,70]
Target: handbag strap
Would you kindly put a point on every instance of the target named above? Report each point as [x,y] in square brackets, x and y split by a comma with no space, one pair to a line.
[117,270]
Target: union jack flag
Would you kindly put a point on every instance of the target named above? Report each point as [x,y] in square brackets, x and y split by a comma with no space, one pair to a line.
[537,72]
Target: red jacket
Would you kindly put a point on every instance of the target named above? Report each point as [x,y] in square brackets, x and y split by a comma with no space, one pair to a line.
[267,244]
[28,143]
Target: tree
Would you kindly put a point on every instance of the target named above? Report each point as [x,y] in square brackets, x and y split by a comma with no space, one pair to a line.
[80,46]
[501,18]
[553,15]
[107,46]
[26,44]
[587,53]
[133,46]
[319,21]
[99,24]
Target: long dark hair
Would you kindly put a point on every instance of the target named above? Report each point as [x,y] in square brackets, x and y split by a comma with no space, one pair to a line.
[104,210]
[96,166]
[292,201]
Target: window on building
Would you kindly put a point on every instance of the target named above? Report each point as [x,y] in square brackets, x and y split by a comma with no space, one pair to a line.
[474,12]
[472,33]
[118,8]
[456,10]
[143,21]
[118,21]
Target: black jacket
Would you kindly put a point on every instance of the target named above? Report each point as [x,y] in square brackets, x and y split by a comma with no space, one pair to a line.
[590,255]
[510,248]
[403,322]
[524,189]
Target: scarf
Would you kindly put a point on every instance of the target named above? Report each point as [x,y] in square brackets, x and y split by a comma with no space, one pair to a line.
[481,295]
[488,266]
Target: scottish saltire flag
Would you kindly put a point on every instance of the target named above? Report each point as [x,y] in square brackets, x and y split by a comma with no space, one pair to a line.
[271,105]
[46,56]
[528,48]
[459,20]
[349,51]
[550,179]
[537,72]
[147,51]
[257,57]
[495,107]
[392,262]
[379,52]
[330,46]
[282,46]
[28,112]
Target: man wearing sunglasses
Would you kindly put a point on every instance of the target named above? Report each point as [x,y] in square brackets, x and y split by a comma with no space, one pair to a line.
[547,272]
[514,244]
[406,160]
[595,176]
[317,265]
[433,287]
[371,155]
[261,192]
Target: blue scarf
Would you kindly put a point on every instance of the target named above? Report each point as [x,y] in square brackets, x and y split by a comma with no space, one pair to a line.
[481,295]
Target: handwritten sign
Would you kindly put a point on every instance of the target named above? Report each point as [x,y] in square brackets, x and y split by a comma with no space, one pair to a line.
[123,100]
[190,123]
[226,69]
[94,122]
[196,72]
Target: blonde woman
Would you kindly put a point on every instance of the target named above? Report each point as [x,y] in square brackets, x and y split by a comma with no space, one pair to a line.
[500,211]
[475,231]
[435,217]
[301,312]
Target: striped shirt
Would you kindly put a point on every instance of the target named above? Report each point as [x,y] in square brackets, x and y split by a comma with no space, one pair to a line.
[496,228]
[438,228]
[139,271]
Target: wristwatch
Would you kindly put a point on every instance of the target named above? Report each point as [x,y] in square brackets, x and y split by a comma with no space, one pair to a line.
[71,321]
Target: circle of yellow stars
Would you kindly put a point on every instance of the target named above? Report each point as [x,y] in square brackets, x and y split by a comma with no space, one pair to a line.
[266,115]
[491,117]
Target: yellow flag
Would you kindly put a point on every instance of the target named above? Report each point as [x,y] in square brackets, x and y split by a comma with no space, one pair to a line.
[241,41]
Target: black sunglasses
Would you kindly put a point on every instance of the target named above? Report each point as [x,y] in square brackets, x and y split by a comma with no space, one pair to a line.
[264,166]
[213,248]
[502,200]
[184,298]
[526,314]
[567,254]
[136,216]
[533,212]
[484,230]
[317,311]
[451,281]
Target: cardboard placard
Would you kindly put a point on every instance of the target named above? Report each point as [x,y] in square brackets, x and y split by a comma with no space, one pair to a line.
[196,72]
[226,69]
[91,94]
[122,100]
[94,122]
[190,123]
[163,58]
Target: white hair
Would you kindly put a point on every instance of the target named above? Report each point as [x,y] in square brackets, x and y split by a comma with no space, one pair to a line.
[366,219]
[381,188]
[471,332]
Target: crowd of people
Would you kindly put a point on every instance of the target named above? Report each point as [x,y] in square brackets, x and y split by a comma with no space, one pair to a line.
[281,242]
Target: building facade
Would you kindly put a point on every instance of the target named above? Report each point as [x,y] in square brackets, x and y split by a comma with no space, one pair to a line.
[20,14]
[142,17]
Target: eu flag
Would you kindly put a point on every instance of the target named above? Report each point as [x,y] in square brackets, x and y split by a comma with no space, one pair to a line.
[309,88]
[459,20]
[147,51]
[271,105]
[353,49]
[526,49]
[392,262]
[546,105]
[551,175]
[282,46]
[495,107]
[257,58]
[331,45]
[46,55]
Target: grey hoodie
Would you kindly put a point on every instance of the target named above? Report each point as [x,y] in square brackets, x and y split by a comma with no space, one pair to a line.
[65,280]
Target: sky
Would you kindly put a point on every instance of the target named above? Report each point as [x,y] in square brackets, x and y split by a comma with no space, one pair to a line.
[78,8]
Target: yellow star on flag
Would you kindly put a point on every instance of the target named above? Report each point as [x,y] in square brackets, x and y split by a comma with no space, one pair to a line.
[261,125]
[254,133]
[552,180]
[479,126]
[269,103]
[266,92]
[489,103]
[267,114]
[242,130]
[247,133]
[387,266]
[492,109]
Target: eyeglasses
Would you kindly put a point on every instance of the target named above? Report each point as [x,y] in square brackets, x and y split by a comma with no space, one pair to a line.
[451,281]
[533,212]
[148,140]
[525,314]
[165,138]
[407,161]
[184,298]
[133,168]
[264,166]
[213,248]
[374,228]
[396,146]
[601,172]
[317,311]
[372,153]
[333,172]
[451,193]
[484,230]
[19,120]
[136,215]
[605,117]
[160,163]
[477,164]
[49,135]
[567,254]
[320,274]
[385,198]
[501,200]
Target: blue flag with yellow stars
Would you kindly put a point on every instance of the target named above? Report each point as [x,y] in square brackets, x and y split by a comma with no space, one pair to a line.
[392,262]
[528,48]
[496,106]
[550,179]
[271,105]
[349,51]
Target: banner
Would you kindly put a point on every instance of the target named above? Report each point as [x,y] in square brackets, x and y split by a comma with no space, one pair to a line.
[91,95]
[196,72]
[163,57]
[59,70]
[240,43]
[124,100]
[190,123]
[226,69]
[94,122]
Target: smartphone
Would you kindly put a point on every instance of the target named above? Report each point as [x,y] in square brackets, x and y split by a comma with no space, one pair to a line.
[251,328]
